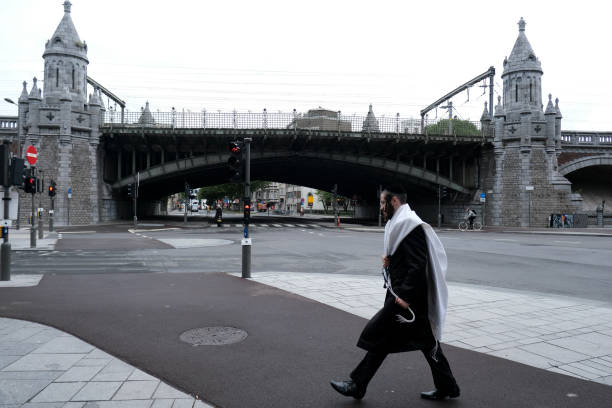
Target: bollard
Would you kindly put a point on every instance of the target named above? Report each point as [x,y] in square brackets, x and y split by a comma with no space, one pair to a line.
[338,221]
[5,261]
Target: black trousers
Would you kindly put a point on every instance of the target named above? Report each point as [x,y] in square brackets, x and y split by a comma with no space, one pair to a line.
[440,369]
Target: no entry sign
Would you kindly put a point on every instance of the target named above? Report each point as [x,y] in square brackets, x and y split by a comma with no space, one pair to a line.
[31,155]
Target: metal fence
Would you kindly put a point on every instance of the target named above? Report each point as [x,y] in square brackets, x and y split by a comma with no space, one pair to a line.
[330,121]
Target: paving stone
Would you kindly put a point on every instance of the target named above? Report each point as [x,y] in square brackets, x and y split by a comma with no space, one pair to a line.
[119,404]
[166,391]
[79,374]
[64,344]
[30,375]
[525,357]
[183,403]
[43,405]
[7,360]
[162,403]
[97,391]
[554,352]
[135,390]
[44,362]
[58,392]
[72,404]
[604,380]
[19,391]
[139,375]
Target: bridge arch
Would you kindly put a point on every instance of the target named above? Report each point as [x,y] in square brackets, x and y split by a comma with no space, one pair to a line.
[583,162]
[317,169]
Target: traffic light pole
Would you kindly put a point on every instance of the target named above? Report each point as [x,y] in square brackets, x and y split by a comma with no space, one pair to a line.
[5,256]
[246,242]
[40,218]
[51,215]
[33,228]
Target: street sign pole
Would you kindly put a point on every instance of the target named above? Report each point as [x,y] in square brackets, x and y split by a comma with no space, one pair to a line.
[5,256]
[246,241]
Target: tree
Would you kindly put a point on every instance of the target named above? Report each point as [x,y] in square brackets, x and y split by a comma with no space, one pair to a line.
[229,190]
[326,198]
[459,127]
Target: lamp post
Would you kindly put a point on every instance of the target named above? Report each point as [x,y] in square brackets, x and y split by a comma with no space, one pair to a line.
[9,100]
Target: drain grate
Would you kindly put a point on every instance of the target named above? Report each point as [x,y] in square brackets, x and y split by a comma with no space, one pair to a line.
[213,336]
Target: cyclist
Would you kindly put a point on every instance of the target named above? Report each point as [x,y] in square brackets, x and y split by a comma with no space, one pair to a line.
[470,216]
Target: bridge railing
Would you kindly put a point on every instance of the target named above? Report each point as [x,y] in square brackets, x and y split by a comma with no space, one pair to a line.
[325,120]
[586,138]
[8,123]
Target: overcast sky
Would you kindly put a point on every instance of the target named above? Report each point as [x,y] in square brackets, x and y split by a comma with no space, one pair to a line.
[399,56]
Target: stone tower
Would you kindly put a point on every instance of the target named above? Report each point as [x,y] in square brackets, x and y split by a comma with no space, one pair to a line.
[63,125]
[526,185]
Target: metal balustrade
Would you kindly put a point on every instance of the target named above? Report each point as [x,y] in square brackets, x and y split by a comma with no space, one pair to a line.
[328,121]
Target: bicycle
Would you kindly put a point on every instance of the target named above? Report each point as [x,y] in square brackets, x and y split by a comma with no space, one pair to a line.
[465,225]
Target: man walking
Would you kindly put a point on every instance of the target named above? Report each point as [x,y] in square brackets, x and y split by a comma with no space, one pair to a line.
[414,269]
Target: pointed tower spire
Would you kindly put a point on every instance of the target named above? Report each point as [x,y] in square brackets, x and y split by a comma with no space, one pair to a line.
[550,109]
[34,94]
[67,5]
[485,113]
[24,93]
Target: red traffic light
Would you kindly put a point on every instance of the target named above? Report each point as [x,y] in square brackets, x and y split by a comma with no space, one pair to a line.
[247,206]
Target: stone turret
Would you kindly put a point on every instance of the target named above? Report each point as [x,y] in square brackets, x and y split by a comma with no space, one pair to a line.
[66,62]
[526,187]
[370,124]
[64,127]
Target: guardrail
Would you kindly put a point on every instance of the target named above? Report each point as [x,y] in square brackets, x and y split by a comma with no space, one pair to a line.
[328,120]
[586,138]
[8,123]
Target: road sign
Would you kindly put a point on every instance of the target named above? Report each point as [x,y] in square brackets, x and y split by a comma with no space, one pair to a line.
[483,197]
[529,188]
[69,192]
[31,155]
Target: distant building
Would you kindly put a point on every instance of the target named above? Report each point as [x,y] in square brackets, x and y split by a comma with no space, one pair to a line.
[321,119]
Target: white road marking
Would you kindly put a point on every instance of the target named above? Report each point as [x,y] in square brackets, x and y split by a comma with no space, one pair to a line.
[505,240]
[568,242]
[79,232]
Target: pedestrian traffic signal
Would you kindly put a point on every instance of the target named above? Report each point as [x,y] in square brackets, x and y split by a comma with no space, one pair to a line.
[443,192]
[52,189]
[247,210]
[235,162]
[130,190]
[30,184]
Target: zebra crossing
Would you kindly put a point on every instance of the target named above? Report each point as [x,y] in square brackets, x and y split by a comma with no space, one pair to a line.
[266,226]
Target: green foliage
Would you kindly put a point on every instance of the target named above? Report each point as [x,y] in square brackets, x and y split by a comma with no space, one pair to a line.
[327,198]
[230,190]
[459,128]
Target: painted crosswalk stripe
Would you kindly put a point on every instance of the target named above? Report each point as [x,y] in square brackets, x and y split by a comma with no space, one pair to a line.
[277,225]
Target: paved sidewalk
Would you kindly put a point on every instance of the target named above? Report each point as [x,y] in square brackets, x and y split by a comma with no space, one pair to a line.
[561,334]
[44,367]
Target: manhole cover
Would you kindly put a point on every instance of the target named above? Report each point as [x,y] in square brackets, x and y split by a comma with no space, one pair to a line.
[213,336]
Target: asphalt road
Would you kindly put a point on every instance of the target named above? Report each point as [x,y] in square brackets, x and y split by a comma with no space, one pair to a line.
[556,264]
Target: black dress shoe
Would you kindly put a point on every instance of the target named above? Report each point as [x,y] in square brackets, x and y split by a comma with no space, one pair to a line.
[348,389]
[440,394]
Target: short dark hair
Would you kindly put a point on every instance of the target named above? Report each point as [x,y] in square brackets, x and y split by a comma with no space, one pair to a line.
[402,197]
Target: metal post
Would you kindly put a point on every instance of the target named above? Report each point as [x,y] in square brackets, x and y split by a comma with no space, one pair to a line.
[51,211]
[33,228]
[185,203]
[335,203]
[136,183]
[439,213]
[529,209]
[5,261]
[246,242]
[40,218]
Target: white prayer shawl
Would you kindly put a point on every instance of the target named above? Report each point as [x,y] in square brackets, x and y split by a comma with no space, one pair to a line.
[404,220]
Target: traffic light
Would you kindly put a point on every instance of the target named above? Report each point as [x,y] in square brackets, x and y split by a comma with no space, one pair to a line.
[18,171]
[247,210]
[130,190]
[5,180]
[443,192]
[30,183]
[235,161]
[52,189]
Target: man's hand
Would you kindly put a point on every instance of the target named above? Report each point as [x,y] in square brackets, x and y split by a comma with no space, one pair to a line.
[402,303]
[385,261]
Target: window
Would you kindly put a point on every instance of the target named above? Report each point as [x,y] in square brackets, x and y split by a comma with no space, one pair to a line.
[57,77]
